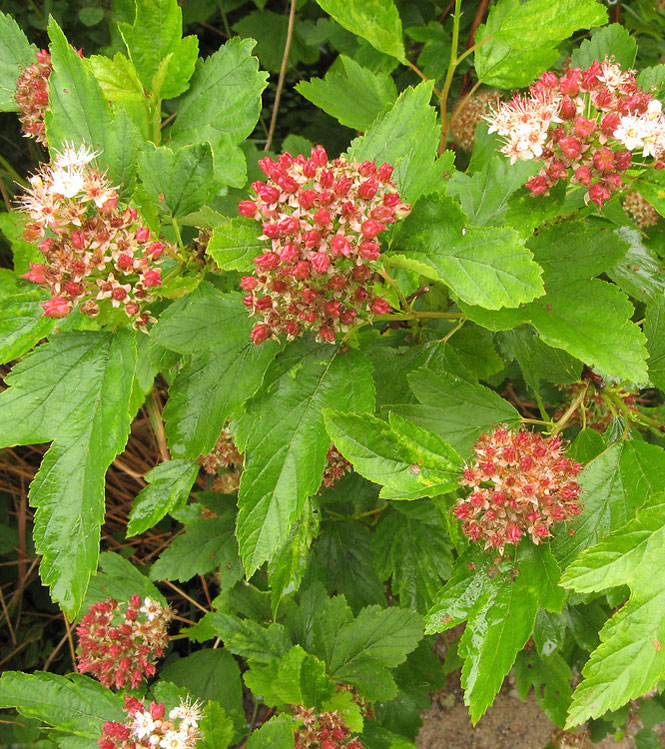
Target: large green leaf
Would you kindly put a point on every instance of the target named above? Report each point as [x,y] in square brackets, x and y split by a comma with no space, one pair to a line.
[16,53]
[74,391]
[22,321]
[155,41]
[406,135]
[248,639]
[210,674]
[235,243]
[414,554]
[613,485]
[118,578]
[377,21]
[284,438]
[208,543]
[407,461]
[530,24]
[76,704]
[78,113]
[640,271]
[178,180]
[630,659]
[276,732]
[351,94]
[169,485]
[500,603]
[655,333]
[222,106]
[455,409]
[550,678]
[484,266]
[225,369]
[609,41]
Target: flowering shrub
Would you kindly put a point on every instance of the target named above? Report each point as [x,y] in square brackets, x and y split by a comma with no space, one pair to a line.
[334,337]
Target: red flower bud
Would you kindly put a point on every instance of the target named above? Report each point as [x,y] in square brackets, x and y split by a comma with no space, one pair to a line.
[311,238]
[289,254]
[367,169]
[380,306]
[322,217]
[142,234]
[384,172]
[247,208]
[79,239]
[125,261]
[36,274]
[603,160]
[584,127]
[537,185]
[267,193]
[260,334]
[583,175]
[367,190]
[599,194]
[301,269]
[271,230]
[248,283]
[319,156]
[326,179]
[339,245]
[306,199]
[57,306]
[571,147]
[320,261]
[372,228]
[370,250]
[268,261]
[152,277]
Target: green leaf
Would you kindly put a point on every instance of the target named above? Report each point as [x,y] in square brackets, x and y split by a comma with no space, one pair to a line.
[284,437]
[652,80]
[276,732]
[210,674]
[406,135]
[216,727]
[207,544]
[351,94]
[630,659]
[489,267]
[222,106]
[121,85]
[78,113]
[155,35]
[407,461]
[226,367]
[377,21]
[529,25]
[248,639]
[567,318]
[550,679]
[179,180]
[235,243]
[610,41]
[484,195]
[22,322]
[500,603]
[455,409]
[169,485]
[654,328]
[76,704]
[343,550]
[74,391]
[415,555]
[16,53]
[91,16]
[118,578]
[613,485]
[297,678]
[640,271]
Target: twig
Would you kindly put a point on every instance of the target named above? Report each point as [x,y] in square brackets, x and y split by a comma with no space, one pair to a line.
[70,639]
[282,73]
[9,621]
[49,660]
[185,596]
[154,411]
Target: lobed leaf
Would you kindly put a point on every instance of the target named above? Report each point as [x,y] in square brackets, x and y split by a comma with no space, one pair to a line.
[16,53]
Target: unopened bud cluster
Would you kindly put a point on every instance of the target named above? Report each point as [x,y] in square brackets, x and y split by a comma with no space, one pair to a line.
[642,212]
[120,643]
[323,220]
[322,730]
[521,485]
[32,96]
[463,126]
[150,728]
[95,252]
[586,126]
[336,466]
[225,454]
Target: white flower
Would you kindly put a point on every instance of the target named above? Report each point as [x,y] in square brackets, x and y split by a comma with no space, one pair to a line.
[612,75]
[631,132]
[74,159]
[175,740]
[151,609]
[142,725]
[188,712]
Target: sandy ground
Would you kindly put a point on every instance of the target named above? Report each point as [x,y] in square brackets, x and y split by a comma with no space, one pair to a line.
[508,724]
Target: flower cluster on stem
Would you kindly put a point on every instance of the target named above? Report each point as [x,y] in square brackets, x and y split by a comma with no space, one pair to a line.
[119,644]
[585,126]
[322,730]
[336,466]
[522,484]
[322,219]
[32,96]
[593,412]
[96,252]
[150,728]
[225,454]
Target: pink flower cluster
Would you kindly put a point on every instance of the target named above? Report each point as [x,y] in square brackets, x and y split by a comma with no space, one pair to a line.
[119,647]
[224,455]
[584,126]
[522,484]
[323,220]
[336,466]
[95,252]
[322,731]
[147,728]
[32,96]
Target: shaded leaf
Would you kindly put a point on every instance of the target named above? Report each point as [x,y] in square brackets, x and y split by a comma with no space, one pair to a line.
[16,53]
